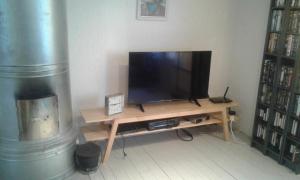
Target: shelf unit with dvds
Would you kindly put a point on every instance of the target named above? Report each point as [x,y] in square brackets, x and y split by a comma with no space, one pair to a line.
[276,130]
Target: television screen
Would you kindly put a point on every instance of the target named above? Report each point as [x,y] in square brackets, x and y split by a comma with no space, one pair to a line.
[165,76]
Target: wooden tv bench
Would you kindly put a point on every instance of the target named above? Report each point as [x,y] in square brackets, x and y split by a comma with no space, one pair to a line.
[102,127]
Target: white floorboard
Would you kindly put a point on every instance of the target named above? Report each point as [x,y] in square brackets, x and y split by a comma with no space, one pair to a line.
[208,157]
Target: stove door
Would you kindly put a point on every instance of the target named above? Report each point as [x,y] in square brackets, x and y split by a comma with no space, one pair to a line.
[38,118]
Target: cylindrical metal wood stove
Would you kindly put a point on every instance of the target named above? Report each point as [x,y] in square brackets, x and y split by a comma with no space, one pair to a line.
[37,138]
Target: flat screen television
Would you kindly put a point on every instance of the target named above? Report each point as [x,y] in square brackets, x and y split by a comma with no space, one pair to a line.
[168,76]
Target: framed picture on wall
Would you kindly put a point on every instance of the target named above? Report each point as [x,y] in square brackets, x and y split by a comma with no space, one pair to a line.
[152,9]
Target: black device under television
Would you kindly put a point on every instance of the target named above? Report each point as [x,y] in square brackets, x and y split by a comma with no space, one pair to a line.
[168,76]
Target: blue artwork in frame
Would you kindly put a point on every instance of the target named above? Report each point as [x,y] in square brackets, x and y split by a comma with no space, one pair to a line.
[152,9]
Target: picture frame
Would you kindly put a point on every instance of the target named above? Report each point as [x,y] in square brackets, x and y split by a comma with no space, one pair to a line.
[155,10]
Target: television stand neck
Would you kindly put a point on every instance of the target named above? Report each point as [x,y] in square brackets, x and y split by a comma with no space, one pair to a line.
[196,101]
[141,107]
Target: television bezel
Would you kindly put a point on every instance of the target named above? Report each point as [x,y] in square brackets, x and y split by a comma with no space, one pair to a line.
[165,100]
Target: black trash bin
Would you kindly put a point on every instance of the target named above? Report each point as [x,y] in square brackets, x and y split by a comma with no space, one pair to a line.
[87,157]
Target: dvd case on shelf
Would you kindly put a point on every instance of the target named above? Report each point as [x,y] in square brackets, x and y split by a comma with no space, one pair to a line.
[268,72]
[295,3]
[276,140]
[273,41]
[286,76]
[261,131]
[291,45]
[297,105]
[276,21]
[279,3]
[295,129]
[266,94]
[297,85]
[283,98]
[279,120]
[294,152]
[264,114]
[294,22]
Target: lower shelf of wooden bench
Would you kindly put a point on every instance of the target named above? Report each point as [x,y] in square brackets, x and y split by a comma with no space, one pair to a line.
[98,132]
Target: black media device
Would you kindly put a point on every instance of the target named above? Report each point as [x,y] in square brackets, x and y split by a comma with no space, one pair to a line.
[197,118]
[168,76]
[223,99]
[163,124]
[131,127]
[151,125]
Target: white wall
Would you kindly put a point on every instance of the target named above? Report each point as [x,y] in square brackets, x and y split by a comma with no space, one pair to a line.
[102,32]
[250,32]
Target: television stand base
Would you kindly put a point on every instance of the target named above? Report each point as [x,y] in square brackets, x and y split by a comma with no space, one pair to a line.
[141,107]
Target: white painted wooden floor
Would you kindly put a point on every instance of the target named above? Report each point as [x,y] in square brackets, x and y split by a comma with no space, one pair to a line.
[164,156]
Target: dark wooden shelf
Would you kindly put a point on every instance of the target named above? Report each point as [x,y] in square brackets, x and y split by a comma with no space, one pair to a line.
[292,33]
[289,158]
[278,8]
[282,111]
[295,8]
[260,120]
[280,59]
[295,166]
[293,138]
[267,83]
[273,154]
[291,58]
[277,129]
[273,149]
[284,88]
[294,117]
[258,140]
[264,104]
[271,54]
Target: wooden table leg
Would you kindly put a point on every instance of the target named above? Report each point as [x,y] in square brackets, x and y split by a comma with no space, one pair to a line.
[110,141]
[225,124]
